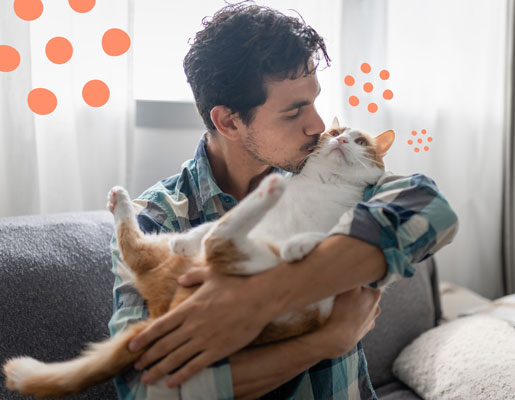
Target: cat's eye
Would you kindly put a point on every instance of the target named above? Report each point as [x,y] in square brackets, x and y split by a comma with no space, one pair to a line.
[334,133]
[361,142]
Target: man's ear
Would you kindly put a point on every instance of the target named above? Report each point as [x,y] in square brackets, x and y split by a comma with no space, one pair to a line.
[225,121]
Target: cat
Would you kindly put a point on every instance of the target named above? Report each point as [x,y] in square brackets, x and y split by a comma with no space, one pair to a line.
[247,240]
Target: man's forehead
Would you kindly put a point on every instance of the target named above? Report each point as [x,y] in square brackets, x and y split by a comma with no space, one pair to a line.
[288,91]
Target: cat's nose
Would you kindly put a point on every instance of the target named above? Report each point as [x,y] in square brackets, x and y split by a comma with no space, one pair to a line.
[342,140]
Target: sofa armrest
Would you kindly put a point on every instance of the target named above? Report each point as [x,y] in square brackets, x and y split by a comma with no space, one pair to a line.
[456,300]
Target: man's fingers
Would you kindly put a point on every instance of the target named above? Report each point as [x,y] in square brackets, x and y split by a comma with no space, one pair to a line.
[194,276]
[193,367]
[163,347]
[172,361]
[155,330]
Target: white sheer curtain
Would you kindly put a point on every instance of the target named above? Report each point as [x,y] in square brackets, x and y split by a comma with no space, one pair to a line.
[66,160]
[447,72]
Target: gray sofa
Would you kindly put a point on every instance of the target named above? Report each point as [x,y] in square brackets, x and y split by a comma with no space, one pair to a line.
[56,295]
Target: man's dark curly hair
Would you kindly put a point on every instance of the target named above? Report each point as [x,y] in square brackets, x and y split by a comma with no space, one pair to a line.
[241,45]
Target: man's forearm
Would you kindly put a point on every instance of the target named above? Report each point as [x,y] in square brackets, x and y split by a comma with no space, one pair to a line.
[338,264]
[259,370]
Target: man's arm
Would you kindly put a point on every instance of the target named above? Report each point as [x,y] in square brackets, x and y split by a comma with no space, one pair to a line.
[403,220]
[259,370]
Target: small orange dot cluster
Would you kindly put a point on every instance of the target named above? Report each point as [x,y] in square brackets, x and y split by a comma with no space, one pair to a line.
[411,142]
[59,50]
[368,87]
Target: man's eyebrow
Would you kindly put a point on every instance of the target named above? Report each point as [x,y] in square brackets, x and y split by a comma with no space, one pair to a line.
[299,104]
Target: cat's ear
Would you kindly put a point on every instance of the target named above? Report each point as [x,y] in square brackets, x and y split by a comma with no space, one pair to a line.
[384,141]
[335,124]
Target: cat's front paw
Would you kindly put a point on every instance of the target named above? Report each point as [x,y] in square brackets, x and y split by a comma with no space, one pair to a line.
[299,246]
[183,247]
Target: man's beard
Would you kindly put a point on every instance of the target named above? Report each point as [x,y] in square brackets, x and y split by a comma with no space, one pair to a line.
[295,167]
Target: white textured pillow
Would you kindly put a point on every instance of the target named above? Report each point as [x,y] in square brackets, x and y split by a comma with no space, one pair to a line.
[468,358]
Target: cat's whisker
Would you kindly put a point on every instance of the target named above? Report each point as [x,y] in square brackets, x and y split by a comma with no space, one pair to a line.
[372,160]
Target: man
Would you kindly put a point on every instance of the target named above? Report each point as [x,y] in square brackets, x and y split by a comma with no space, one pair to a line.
[253,74]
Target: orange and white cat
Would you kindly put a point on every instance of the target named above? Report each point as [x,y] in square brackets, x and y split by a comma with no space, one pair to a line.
[245,241]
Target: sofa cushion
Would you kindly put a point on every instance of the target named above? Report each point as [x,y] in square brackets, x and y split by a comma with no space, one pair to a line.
[55,288]
[409,307]
[468,358]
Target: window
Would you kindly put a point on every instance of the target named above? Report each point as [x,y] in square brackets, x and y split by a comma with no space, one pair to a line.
[162,29]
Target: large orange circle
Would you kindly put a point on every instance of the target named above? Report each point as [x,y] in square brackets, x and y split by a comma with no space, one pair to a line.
[349,80]
[388,94]
[368,87]
[384,74]
[28,10]
[81,6]
[95,93]
[42,101]
[9,58]
[365,68]
[353,101]
[372,107]
[115,42]
[59,50]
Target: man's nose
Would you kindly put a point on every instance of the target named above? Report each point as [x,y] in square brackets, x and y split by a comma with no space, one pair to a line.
[315,124]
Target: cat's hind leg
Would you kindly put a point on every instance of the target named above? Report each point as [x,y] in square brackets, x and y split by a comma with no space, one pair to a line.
[141,252]
[119,203]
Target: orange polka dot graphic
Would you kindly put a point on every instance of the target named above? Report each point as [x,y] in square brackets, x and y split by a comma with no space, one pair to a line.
[420,141]
[95,93]
[59,50]
[368,87]
[28,10]
[115,42]
[82,6]
[42,101]
[9,58]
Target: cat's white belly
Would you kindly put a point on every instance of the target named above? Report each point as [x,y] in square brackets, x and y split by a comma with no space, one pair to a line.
[300,210]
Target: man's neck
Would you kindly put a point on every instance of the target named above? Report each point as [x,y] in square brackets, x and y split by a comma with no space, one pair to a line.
[234,170]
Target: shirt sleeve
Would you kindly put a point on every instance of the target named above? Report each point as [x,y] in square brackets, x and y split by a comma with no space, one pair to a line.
[129,307]
[406,217]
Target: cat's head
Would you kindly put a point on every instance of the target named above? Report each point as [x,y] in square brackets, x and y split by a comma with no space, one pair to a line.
[351,153]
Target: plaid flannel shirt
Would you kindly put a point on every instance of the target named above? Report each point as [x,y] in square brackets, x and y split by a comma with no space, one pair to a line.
[406,217]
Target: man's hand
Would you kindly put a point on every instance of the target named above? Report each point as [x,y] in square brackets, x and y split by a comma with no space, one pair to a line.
[353,316]
[195,334]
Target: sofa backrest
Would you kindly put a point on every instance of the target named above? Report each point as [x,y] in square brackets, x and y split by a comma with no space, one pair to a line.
[55,288]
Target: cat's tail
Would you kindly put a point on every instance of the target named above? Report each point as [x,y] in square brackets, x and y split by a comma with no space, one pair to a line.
[100,362]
